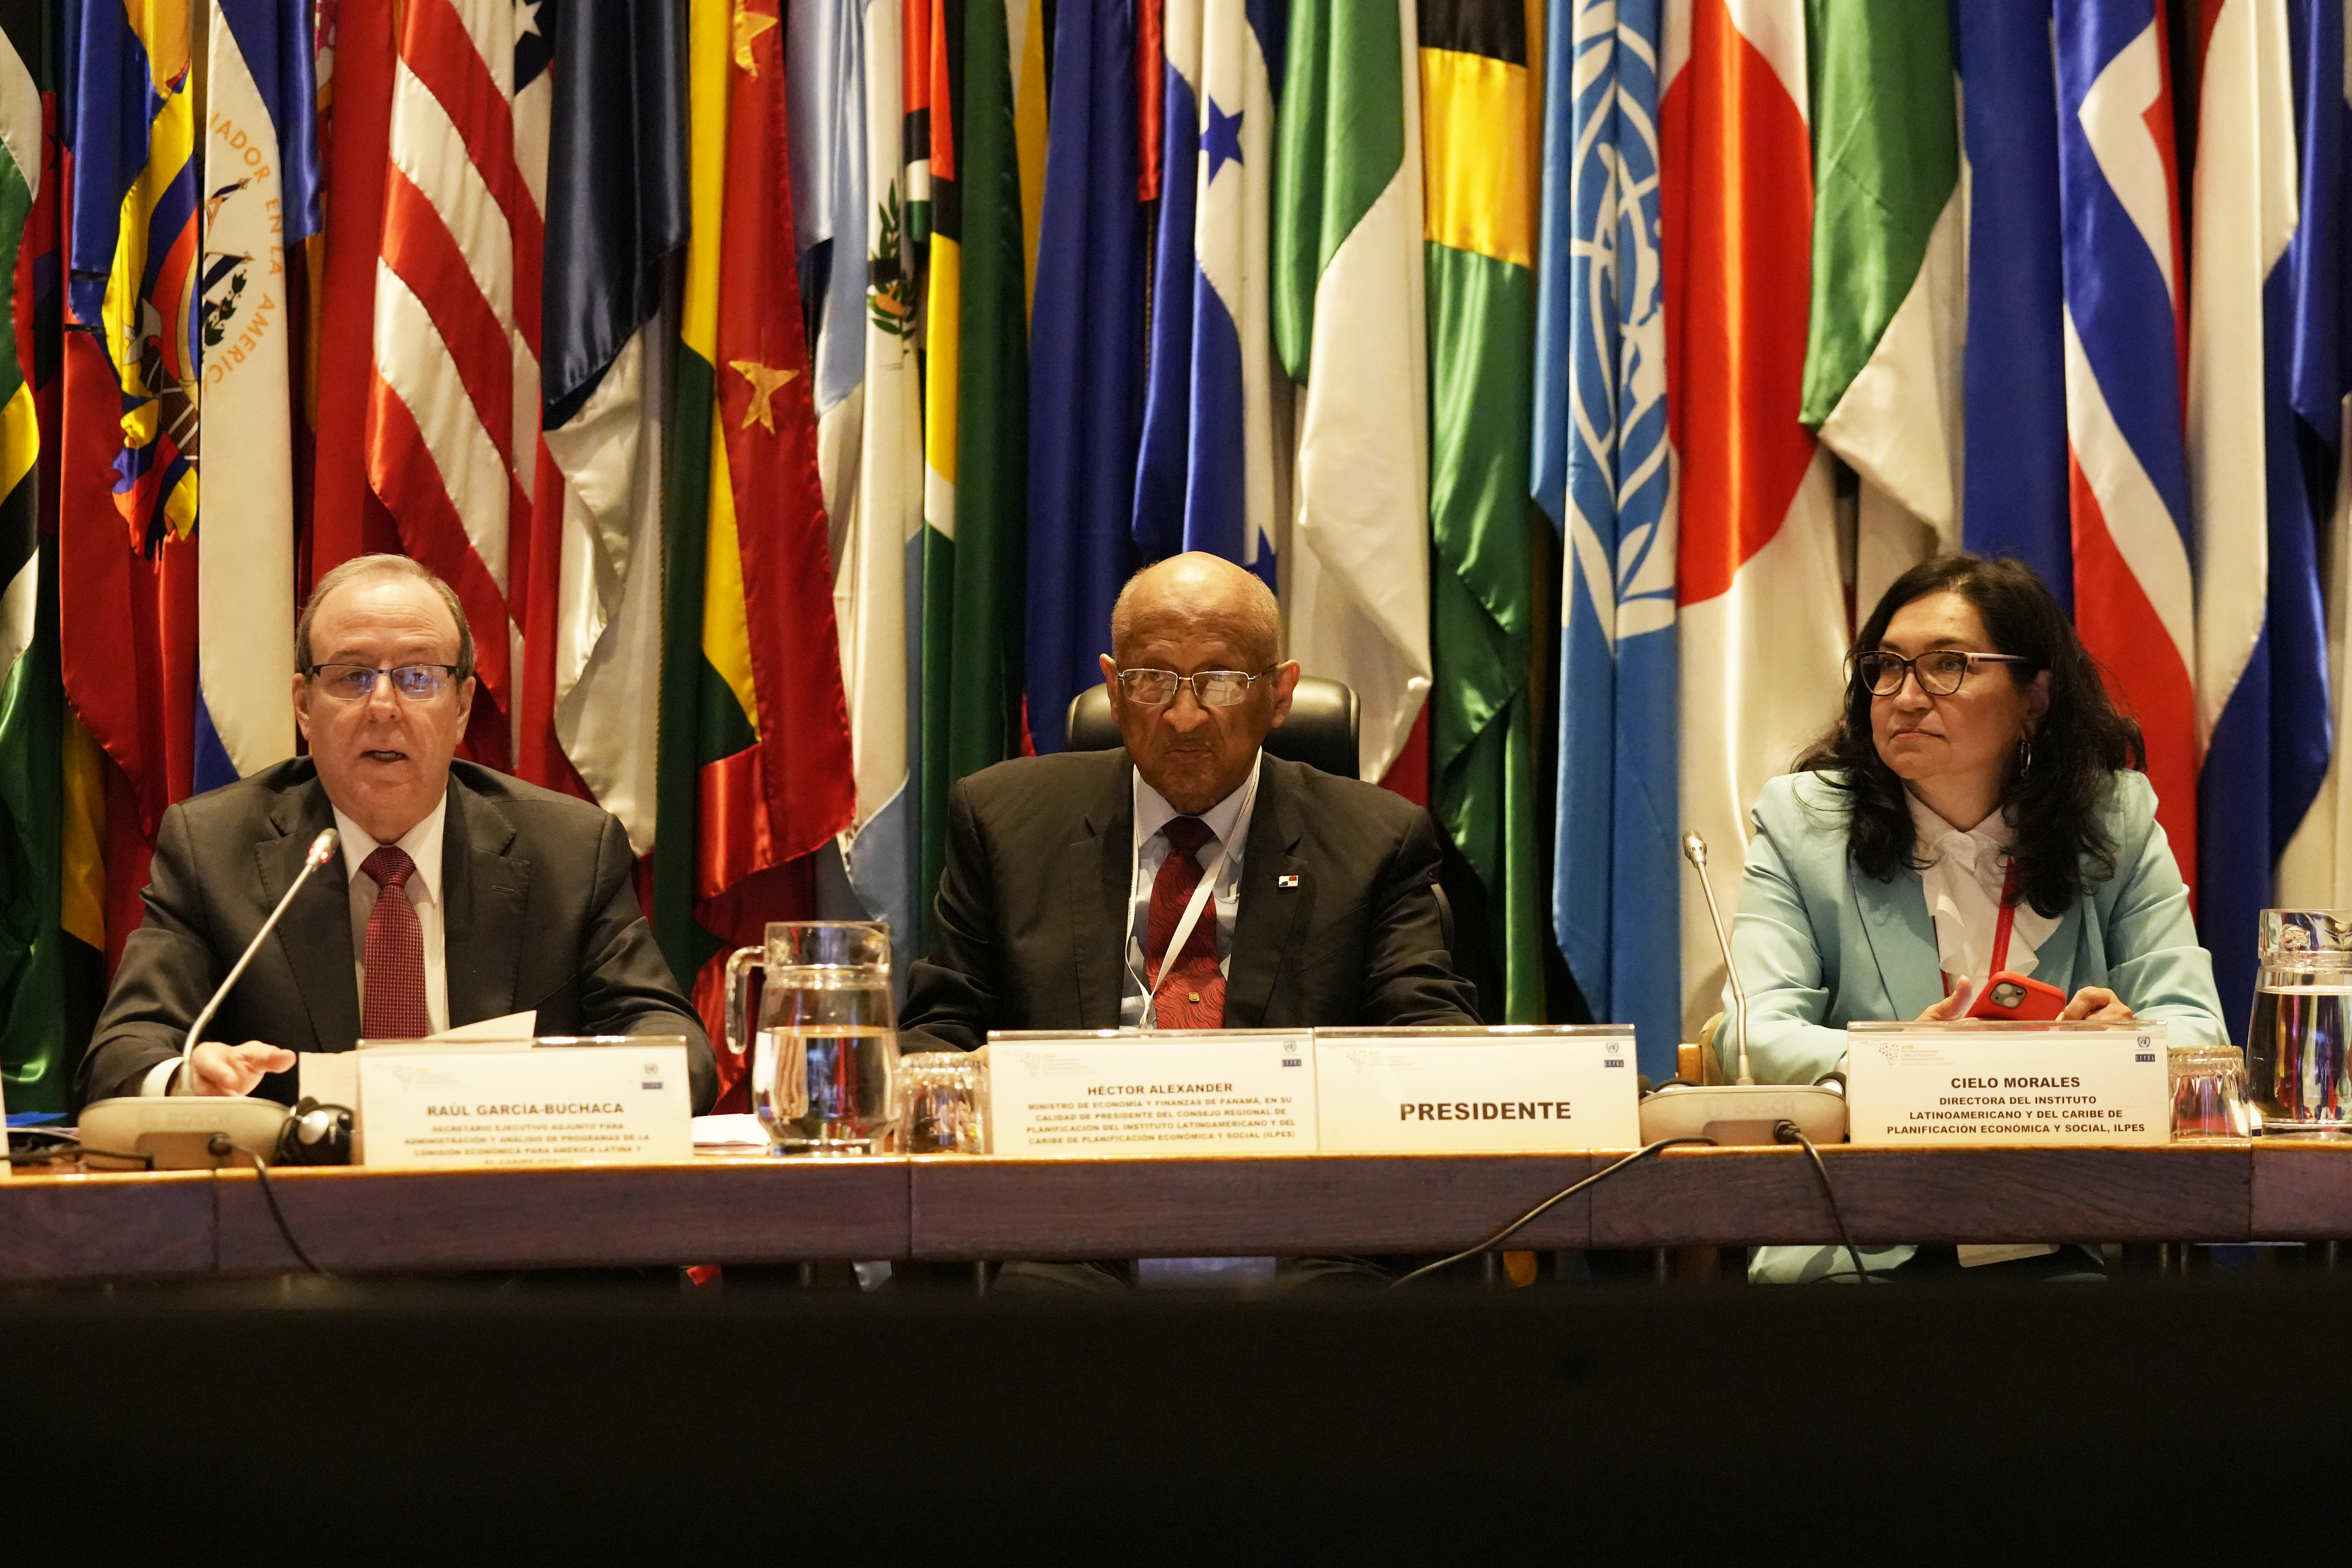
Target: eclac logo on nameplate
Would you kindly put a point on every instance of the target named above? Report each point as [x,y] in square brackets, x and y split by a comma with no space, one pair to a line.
[1169,1091]
[1522,1088]
[623,1100]
[1942,1086]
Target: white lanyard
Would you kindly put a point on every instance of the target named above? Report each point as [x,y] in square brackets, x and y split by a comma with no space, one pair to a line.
[1200,896]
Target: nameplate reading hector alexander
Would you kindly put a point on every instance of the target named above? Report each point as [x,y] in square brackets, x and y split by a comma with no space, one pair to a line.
[618,1101]
[1526,1088]
[1918,1086]
[1209,1091]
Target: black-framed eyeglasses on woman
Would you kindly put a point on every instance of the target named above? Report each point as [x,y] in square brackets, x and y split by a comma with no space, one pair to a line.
[1212,688]
[1940,671]
[357,682]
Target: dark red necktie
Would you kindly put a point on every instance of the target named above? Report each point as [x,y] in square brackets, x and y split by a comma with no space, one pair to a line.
[392,999]
[1194,996]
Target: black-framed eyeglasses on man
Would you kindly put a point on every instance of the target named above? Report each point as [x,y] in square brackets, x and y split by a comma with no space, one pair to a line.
[1211,687]
[357,682]
[1941,670]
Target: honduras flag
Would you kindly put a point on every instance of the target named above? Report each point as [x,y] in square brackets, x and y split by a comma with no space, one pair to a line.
[1205,476]
[1602,475]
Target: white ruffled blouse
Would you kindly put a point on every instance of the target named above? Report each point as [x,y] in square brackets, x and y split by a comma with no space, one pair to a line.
[1962,879]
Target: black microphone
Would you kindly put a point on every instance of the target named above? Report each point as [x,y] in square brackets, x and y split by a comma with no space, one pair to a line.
[1695,850]
[321,850]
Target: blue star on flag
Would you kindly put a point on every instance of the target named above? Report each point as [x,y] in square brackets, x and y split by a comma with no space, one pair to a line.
[1221,141]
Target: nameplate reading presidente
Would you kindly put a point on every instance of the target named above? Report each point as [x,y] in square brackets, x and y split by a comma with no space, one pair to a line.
[624,1101]
[1171,1091]
[1524,1088]
[1941,1085]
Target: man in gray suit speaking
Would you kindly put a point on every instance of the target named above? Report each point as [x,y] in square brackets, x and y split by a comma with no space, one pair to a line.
[459,894]
[1074,892]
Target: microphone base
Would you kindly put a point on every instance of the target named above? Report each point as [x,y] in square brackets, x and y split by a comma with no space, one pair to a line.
[173,1129]
[1743,1115]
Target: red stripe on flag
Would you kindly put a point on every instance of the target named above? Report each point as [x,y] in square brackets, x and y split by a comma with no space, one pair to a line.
[2143,669]
[418,247]
[1736,195]
[436,47]
[358,160]
[402,471]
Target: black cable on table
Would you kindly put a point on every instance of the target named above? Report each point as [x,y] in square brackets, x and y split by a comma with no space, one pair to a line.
[220,1144]
[1536,1213]
[1786,1131]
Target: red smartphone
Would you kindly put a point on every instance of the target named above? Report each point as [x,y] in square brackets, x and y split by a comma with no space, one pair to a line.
[2015,998]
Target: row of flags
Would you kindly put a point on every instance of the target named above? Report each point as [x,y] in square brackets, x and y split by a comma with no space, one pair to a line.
[1933,276]
[788,388]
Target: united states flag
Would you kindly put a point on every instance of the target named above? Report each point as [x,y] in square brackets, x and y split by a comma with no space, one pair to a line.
[452,403]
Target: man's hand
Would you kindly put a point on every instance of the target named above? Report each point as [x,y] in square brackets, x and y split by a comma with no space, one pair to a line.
[216,1069]
[1950,1008]
[2095,1005]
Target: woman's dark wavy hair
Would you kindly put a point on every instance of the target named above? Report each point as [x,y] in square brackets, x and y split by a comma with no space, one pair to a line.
[2082,741]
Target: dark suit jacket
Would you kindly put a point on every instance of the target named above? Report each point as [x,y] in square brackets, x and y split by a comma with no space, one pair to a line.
[539,904]
[1032,924]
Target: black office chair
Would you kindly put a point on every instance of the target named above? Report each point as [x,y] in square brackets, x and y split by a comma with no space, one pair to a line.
[1322,732]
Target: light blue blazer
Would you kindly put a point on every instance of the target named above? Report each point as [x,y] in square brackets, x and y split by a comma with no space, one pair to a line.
[1821,945]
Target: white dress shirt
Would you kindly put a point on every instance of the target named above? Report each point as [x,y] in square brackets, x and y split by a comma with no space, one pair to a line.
[422,843]
[1228,821]
[1963,879]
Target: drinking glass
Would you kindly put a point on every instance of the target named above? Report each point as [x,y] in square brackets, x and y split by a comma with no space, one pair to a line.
[943,1103]
[826,1054]
[2209,1093]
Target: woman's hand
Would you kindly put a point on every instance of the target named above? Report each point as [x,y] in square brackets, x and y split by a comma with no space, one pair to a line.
[1950,1008]
[2095,1005]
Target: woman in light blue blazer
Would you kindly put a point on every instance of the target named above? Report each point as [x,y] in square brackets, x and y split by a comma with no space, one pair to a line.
[1977,766]
[1834,924]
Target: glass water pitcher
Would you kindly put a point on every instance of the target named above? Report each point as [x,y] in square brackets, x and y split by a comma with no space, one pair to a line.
[824,1055]
[2296,1063]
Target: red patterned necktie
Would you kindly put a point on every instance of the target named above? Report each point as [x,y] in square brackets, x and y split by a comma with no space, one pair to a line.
[1194,996]
[392,1000]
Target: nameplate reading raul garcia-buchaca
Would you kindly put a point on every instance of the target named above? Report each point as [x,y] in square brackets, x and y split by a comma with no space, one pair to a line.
[557,1105]
[1926,1086]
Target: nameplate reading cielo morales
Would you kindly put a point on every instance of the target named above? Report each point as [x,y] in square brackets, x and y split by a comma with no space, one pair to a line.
[1222,1091]
[620,1101]
[1926,1086]
[1524,1088]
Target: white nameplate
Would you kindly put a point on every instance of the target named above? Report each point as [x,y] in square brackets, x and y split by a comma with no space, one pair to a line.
[1505,1088]
[1236,1091]
[627,1103]
[1930,1086]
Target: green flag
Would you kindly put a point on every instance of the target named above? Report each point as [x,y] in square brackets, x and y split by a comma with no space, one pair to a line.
[1883,357]
[975,562]
[35,1055]
[1346,297]
[1478,228]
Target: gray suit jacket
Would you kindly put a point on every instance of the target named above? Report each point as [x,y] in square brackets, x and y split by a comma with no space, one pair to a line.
[1337,923]
[541,912]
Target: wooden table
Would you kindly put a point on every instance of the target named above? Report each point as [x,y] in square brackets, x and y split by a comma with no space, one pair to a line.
[180,1225]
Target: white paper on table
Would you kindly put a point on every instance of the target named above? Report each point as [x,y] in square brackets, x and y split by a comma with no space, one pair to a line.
[735,1131]
[514,1026]
[333,1077]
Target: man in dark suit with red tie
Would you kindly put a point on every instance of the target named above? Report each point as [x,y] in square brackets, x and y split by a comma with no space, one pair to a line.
[458,894]
[1069,878]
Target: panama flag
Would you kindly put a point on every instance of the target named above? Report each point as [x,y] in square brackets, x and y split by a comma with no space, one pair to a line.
[1600,475]
[1205,479]
[261,200]
[2261,659]
[2124,345]
[2316,870]
[1763,619]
